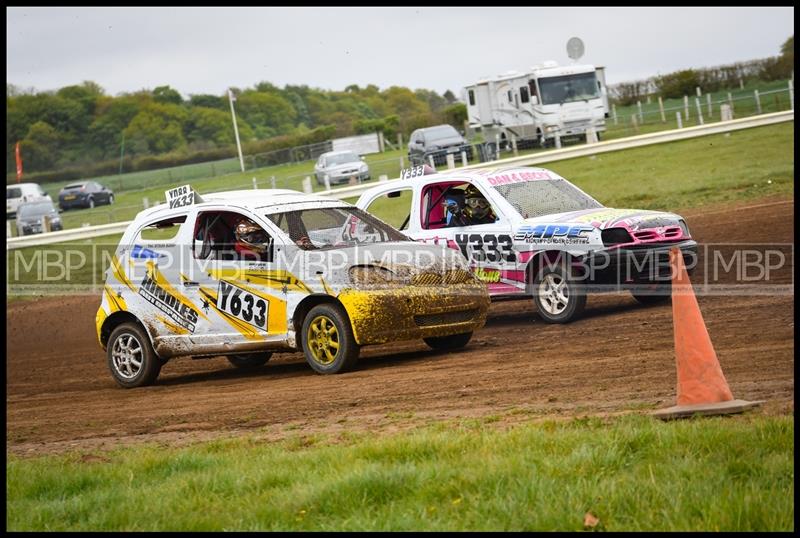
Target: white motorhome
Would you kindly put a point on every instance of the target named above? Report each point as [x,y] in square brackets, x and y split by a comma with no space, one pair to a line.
[535,105]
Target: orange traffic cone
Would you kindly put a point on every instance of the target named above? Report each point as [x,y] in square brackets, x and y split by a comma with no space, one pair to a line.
[702,388]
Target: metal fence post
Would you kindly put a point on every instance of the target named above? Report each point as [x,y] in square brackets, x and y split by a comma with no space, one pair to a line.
[514,145]
[273,181]
[758,102]
[451,161]
[635,124]
[430,160]
[639,106]
[730,102]
[614,113]
[402,162]
[255,185]
[463,158]
[791,95]
[661,109]
[307,185]
[327,180]
[558,139]
[708,100]
[699,110]
[678,117]
[145,202]
[686,107]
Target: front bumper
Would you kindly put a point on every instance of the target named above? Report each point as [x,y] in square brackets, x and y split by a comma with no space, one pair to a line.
[634,265]
[415,312]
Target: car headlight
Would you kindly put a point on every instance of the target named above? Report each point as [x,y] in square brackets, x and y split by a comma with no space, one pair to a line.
[684,227]
[370,275]
[551,128]
[364,167]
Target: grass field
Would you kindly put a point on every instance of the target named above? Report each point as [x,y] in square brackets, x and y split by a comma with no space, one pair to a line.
[751,163]
[633,473]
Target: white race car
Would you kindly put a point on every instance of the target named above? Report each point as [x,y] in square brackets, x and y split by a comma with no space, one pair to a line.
[530,232]
[246,273]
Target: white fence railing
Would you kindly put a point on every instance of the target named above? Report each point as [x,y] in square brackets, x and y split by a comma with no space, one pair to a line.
[527,160]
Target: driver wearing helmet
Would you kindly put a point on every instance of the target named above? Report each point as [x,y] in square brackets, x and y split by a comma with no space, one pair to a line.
[476,210]
[252,242]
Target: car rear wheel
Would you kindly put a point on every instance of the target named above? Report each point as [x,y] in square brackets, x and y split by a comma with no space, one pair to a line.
[558,296]
[454,341]
[249,360]
[328,341]
[131,358]
[110,199]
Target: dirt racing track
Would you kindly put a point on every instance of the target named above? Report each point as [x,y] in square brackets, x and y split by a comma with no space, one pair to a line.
[617,358]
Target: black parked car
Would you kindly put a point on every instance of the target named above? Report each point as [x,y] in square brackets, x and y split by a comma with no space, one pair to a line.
[437,141]
[85,194]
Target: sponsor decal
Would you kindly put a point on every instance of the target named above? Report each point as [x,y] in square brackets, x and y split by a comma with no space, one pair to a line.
[554,233]
[144,253]
[242,305]
[518,177]
[491,275]
[179,312]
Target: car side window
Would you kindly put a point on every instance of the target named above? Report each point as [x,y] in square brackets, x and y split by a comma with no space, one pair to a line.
[161,230]
[394,208]
[447,205]
[215,237]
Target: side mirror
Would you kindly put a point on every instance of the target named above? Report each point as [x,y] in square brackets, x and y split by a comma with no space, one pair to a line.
[534,99]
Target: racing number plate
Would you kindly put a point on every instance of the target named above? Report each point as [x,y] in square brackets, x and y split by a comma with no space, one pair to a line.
[180,196]
[243,305]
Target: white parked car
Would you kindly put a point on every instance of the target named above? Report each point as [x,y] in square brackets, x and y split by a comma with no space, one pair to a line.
[19,193]
[530,232]
[246,273]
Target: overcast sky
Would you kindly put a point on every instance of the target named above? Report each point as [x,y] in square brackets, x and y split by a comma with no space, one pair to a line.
[206,50]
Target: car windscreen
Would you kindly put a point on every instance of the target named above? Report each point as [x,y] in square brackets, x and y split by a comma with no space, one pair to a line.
[74,186]
[439,133]
[545,197]
[341,158]
[569,88]
[334,227]
[16,192]
[39,208]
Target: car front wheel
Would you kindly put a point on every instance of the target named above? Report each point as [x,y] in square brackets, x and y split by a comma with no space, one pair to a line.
[110,199]
[131,358]
[558,296]
[328,341]
[91,203]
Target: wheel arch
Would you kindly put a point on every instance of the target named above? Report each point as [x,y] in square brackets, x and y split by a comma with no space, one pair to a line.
[535,265]
[115,320]
[305,306]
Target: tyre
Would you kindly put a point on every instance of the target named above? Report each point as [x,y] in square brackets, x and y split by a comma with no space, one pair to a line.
[328,341]
[655,294]
[558,296]
[131,358]
[110,199]
[454,341]
[250,360]
[91,203]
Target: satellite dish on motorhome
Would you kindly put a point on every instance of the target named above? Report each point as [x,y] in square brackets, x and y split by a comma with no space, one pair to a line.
[575,48]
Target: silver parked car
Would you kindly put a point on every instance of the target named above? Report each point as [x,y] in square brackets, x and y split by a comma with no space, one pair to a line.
[340,166]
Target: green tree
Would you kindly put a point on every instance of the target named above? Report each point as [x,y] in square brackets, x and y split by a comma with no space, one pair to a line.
[209,101]
[40,147]
[158,128]
[114,115]
[267,113]
[165,94]
[209,124]
[449,97]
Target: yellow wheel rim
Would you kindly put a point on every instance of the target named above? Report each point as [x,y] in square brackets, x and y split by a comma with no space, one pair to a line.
[323,340]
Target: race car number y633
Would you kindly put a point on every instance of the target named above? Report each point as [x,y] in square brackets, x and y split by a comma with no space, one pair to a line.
[243,305]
